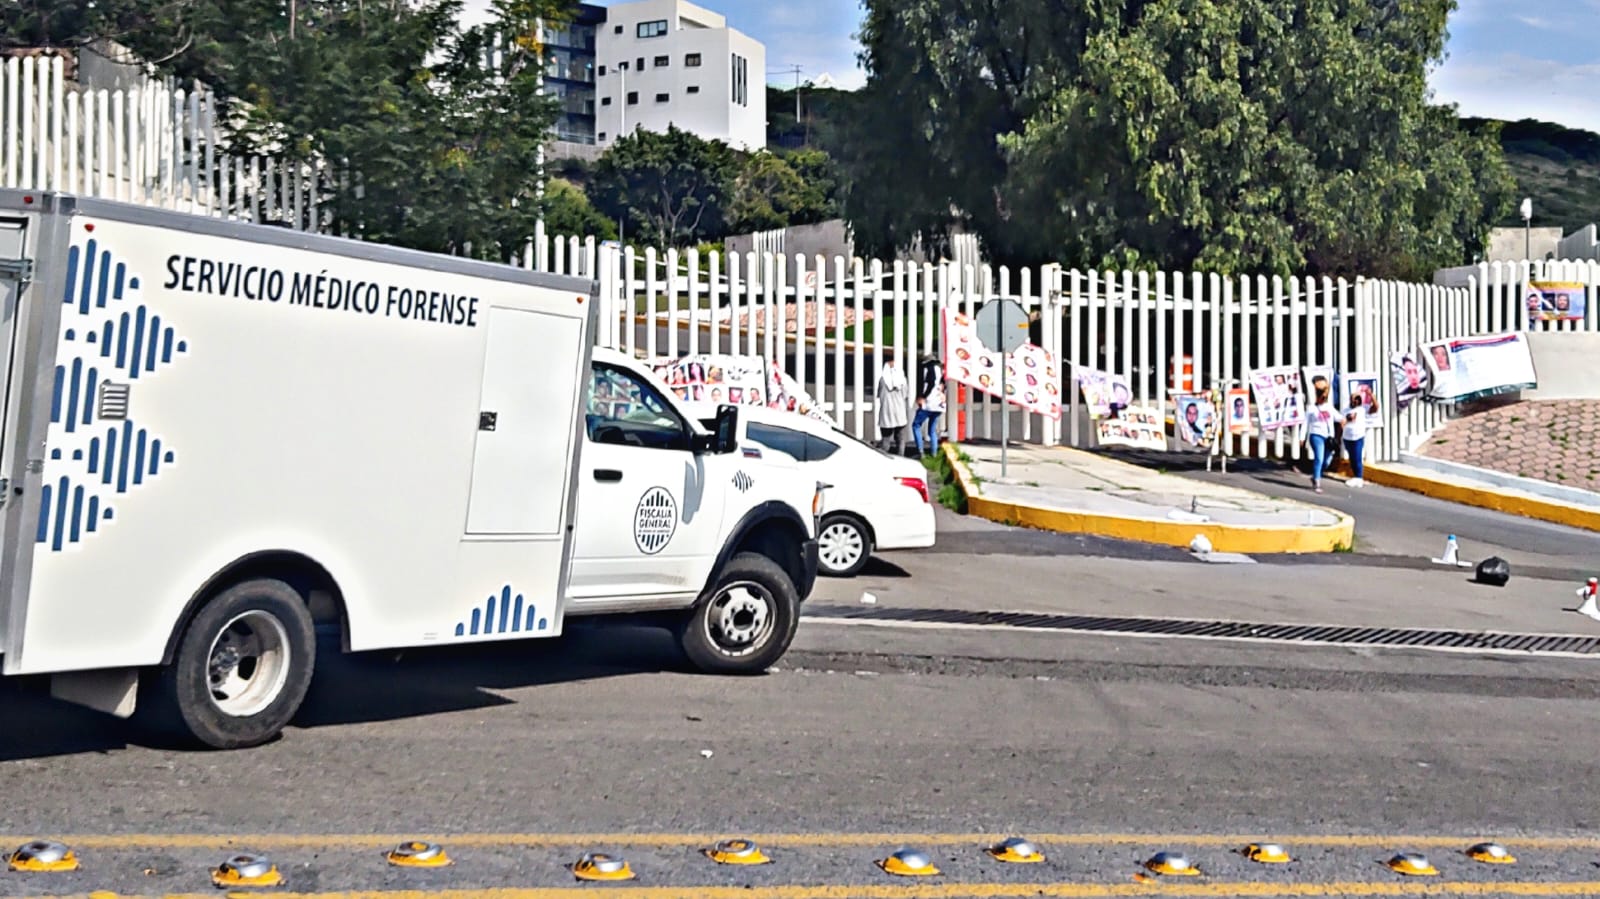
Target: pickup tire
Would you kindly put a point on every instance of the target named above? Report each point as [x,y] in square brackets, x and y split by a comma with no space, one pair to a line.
[241,669]
[746,622]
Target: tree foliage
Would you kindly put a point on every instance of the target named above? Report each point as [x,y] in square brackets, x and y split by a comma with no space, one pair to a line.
[671,188]
[428,138]
[569,213]
[1267,136]
[776,191]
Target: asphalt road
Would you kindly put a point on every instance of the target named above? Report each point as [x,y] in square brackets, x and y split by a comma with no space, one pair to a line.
[1106,749]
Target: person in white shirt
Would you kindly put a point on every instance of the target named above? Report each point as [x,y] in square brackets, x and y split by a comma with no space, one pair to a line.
[1363,404]
[1319,425]
[930,402]
[893,404]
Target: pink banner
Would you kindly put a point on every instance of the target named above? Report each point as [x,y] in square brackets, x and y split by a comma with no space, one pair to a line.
[1032,380]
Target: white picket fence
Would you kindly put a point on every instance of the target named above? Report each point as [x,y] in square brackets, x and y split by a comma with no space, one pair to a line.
[157,145]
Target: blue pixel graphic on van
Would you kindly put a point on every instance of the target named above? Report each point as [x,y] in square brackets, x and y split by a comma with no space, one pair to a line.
[109,340]
[504,613]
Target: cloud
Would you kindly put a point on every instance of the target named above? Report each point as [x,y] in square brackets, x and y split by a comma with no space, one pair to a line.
[1516,86]
[1535,22]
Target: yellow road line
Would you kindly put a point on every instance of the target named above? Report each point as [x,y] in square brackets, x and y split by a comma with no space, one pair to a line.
[950,891]
[265,842]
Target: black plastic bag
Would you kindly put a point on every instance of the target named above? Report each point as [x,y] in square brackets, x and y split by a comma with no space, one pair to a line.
[1494,571]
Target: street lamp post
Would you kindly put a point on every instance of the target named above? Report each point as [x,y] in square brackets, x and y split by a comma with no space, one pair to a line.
[1527,229]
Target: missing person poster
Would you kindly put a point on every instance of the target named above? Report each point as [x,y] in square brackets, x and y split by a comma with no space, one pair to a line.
[1103,392]
[1139,427]
[1196,419]
[1238,405]
[737,380]
[1410,378]
[1278,401]
[1032,381]
[1466,368]
[1556,301]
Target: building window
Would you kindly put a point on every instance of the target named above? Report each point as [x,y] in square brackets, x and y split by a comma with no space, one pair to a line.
[692,60]
[633,98]
[622,67]
[662,98]
[693,89]
[617,30]
[741,81]
[663,61]
[656,28]
[638,64]
[602,136]
[602,71]
[605,101]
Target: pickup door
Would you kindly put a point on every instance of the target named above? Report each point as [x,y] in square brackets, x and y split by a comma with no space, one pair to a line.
[647,525]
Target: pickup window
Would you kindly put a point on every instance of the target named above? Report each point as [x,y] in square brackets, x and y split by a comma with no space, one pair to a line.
[797,445]
[624,410]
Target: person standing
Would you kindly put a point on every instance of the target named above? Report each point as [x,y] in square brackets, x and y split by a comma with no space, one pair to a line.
[930,402]
[1319,426]
[1363,405]
[893,403]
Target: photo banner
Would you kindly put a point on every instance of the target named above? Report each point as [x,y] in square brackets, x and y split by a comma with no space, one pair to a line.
[1103,392]
[1278,402]
[736,380]
[1360,389]
[1556,301]
[1197,417]
[1467,368]
[1032,380]
[1410,378]
[1139,427]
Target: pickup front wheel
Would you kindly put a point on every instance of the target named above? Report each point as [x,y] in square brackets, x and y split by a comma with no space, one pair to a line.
[747,621]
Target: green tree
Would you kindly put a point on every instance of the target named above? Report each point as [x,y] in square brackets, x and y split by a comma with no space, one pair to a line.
[429,136]
[672,188]
[1271,136]
[568,212]
[771,191]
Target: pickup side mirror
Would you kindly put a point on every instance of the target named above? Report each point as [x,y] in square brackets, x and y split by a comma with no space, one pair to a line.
[724,436]
[727,432]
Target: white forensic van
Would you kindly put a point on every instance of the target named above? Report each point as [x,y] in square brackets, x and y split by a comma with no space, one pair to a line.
[222,438]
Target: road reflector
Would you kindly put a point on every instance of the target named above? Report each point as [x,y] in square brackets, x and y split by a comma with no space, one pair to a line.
[1491,854]
[245,870]
[907,862]
[1174,864]
[737,852]
[600,866]
[1412,864]
[418,854]
[43,855]
[1016,850]
[1267,853]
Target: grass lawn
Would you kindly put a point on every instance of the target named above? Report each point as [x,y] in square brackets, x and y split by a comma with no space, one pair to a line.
[916,328]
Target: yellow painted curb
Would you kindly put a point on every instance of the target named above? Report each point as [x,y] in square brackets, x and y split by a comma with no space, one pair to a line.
[1485,496]
[1224,537]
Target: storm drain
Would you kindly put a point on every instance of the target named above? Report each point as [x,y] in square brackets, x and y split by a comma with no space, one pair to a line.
[1567,644]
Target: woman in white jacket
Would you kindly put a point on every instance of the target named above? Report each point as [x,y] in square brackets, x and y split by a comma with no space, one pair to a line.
[893,404]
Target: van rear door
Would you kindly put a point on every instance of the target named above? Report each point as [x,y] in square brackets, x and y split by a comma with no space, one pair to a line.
[16,267]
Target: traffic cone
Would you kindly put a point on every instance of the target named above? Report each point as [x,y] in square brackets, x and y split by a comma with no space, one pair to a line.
[1452,552]
[1588,592]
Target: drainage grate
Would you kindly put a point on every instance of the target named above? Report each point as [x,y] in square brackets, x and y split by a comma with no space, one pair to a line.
[1568,644]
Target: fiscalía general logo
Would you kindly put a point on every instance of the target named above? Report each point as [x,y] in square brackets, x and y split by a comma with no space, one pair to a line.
[655,521]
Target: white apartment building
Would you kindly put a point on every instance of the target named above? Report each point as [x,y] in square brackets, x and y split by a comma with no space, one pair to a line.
[668,62]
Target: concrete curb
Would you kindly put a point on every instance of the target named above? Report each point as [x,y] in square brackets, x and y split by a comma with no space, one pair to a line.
[1542,489]
[1484,496]
[1223,537]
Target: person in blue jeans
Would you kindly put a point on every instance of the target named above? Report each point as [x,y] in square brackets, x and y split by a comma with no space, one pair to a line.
[1319,424]
[1363,406]
[930,402]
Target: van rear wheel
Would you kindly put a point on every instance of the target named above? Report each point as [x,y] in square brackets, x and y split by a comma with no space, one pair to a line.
[747,622]
[242,668]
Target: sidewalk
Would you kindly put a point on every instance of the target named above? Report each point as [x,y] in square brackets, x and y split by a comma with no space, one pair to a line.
[1071,491]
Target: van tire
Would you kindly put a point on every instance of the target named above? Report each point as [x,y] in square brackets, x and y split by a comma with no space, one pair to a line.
[261,637]
[746,622]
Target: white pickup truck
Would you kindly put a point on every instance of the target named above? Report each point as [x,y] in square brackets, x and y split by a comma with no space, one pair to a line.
[220,439]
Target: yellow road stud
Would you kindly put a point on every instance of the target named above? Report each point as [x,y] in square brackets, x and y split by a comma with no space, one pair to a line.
[418,854]
[1267,853]
[1412,864]
[1016,850]
[600,866]
[1491,854]
[737,852]
[40,856]
[246,870]
[906,862]
[1172,864]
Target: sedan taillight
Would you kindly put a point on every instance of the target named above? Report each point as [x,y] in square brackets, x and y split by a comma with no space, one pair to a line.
[917,484]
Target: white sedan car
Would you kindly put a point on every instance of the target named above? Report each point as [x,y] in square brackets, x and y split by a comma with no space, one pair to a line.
[876,501]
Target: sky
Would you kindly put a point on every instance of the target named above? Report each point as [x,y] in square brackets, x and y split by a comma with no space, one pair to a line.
[1507,59]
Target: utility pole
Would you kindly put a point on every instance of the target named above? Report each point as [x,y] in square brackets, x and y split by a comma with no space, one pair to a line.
[795,71]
